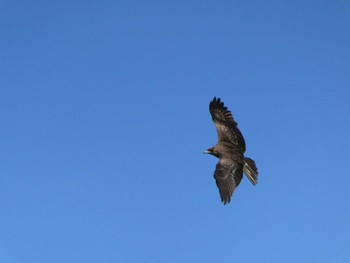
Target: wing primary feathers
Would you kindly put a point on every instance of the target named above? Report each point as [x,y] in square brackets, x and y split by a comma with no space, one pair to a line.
[227,179]
[225,124]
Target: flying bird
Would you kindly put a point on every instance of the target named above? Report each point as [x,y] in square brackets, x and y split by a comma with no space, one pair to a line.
[230,151]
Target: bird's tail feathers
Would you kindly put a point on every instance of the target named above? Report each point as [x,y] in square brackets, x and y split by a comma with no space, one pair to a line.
[250,170]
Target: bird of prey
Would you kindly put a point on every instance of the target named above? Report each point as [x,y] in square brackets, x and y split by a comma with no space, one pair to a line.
[230,151]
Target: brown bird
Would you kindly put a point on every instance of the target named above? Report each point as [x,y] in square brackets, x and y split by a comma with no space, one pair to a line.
[230,151]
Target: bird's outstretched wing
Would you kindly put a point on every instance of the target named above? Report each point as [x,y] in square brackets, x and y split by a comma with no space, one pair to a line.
[225,124]
[227,176]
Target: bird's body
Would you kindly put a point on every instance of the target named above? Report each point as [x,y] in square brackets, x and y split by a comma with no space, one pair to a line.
[230,151]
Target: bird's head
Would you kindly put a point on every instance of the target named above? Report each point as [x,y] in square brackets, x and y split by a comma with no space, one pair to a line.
[212,151]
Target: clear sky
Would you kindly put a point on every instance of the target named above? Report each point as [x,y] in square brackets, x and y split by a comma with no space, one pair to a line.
[104,120]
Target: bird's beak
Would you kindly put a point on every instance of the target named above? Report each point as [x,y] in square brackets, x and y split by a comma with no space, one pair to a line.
[206,151]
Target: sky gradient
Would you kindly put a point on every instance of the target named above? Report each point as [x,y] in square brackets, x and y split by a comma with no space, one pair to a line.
[104,120]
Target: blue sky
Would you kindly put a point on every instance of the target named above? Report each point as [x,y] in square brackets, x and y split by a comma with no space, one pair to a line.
[104,120]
